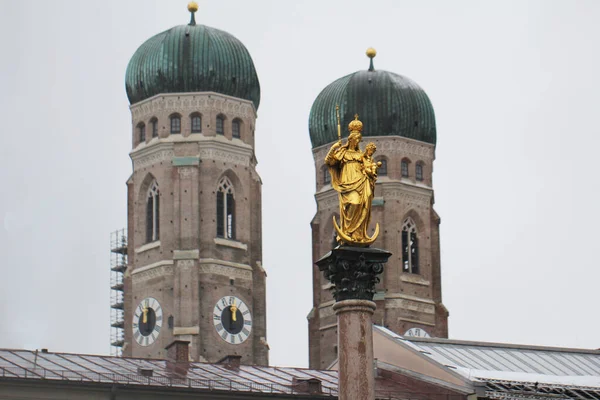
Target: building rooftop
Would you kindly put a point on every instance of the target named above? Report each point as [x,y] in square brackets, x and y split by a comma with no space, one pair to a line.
[148,372]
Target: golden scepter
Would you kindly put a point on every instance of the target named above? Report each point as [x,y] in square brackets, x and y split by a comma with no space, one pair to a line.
[337,113]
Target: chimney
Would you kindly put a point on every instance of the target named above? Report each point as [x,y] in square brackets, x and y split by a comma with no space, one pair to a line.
[178,357]
[178,351]
[310,386]
[231,362]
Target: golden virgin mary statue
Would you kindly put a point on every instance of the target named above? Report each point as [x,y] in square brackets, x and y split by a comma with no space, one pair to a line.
[353,176]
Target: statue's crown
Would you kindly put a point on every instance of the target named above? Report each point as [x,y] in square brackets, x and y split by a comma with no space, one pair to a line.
[355,125]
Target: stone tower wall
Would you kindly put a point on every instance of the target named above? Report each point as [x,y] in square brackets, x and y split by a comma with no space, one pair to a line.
[189,268]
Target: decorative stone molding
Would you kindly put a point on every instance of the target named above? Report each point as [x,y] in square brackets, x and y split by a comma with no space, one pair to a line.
[410,305]
[187,172]
[158,269]
[400,194]
[388,145]
[204,102]
[185,263]
[225,268]
[150,158]
[230,272]
[224,156]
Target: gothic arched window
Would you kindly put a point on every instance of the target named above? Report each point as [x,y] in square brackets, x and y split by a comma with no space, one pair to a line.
[152,213]
[196,123]
[410,247]
[220,125]
[235,128]
[404,168]
[419,171]
[154,124]
[225,209]
[142,132]
[175,124]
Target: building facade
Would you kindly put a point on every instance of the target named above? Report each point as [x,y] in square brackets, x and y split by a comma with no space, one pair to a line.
[194,240]
[398,118]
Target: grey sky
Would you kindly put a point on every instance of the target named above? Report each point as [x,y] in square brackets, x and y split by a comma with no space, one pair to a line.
[515,88]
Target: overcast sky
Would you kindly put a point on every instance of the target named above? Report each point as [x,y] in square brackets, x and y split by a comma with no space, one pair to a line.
[516,91]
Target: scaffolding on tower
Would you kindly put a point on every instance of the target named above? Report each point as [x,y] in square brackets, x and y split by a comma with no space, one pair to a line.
[118,266]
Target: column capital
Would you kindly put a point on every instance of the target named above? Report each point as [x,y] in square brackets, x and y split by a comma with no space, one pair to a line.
[353,271]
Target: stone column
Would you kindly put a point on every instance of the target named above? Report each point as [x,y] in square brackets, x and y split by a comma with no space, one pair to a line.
[353,272]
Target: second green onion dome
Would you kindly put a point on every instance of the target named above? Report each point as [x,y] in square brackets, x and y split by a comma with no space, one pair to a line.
[388,104]
[192,58]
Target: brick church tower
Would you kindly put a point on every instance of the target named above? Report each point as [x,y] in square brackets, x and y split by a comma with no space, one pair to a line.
[398,117]
[194,199]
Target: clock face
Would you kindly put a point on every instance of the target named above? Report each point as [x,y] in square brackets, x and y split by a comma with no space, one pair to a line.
[147,321]
[417,332]
[232,320]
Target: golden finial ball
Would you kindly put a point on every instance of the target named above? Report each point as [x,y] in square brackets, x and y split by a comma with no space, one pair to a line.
[192,6]
[371,52]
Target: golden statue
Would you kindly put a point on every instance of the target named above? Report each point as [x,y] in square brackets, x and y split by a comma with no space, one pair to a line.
[353,176]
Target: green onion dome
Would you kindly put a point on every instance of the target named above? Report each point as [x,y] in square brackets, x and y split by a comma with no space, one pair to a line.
[388,104]
[192,58]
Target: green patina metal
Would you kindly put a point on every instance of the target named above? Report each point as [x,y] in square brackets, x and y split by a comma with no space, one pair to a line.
[387,104]
[192,58]
[184,161]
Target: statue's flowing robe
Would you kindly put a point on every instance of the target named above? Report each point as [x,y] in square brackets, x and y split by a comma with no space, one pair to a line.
[355,191]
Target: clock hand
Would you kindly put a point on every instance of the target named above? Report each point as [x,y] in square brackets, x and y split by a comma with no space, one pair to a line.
[145,316]
[233,309]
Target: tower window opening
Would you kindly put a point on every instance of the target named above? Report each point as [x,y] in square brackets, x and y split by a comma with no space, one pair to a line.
[175,124]
[235,129]
[196,124]
[142,132]
[326,175]
[153,213]
[404,168]
[382,170]
[225,210]
[419,171]
[410,247]
[154,124]
[220,125]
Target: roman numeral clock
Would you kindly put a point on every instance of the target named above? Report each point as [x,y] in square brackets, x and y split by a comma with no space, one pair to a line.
[232,320]
[147,321]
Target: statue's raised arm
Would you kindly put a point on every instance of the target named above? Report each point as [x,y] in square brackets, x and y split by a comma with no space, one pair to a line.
[353,176]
